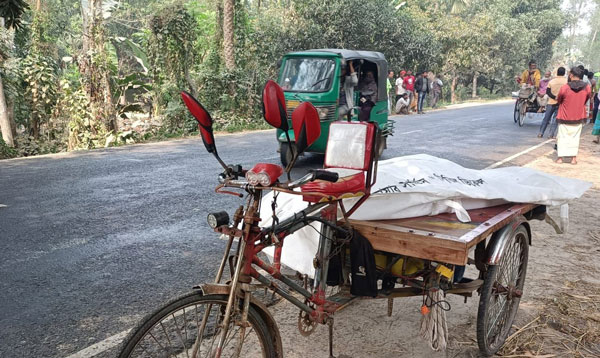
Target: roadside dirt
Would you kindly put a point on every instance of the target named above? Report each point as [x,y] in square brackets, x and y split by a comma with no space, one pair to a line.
[559,311]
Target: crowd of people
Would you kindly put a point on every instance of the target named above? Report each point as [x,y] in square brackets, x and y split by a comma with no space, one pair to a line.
[408,93]
[570,101]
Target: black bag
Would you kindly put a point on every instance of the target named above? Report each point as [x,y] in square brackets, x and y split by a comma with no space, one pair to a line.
[362,262]
[334,273]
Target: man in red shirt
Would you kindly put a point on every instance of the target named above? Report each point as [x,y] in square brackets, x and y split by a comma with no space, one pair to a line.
[409,85]
[571,114]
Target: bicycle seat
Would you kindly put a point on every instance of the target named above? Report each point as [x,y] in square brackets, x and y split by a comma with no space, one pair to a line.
[350,153]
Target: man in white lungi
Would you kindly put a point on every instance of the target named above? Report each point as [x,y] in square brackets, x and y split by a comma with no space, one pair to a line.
[571,114]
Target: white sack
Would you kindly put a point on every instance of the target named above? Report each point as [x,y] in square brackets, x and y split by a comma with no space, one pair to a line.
[420,185]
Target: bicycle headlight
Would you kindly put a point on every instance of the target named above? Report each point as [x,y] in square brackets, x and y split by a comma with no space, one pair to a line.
[217,219]
[264,174]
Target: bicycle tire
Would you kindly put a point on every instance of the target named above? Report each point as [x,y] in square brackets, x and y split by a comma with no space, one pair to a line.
[148,328]
[516,111]
[522,114]
[517,249]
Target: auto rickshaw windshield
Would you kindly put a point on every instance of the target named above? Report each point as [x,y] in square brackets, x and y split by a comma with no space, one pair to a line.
[309,74]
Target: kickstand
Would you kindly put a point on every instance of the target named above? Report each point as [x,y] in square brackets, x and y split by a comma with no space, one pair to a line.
[330,324]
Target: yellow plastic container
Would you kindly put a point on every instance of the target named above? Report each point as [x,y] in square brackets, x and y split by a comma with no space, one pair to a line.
[412,265]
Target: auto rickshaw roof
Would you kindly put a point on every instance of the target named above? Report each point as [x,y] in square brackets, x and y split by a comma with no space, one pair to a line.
[372,56]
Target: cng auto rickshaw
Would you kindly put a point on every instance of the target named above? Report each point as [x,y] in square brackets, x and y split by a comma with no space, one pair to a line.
[314,76]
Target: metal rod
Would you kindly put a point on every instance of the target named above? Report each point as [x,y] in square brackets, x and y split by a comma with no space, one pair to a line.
[284,294]
[237,217]
[231,300]
[243,324]
[294,286]
[323,258]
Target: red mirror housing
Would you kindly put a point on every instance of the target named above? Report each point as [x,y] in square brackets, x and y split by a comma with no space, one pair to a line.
[306,124]
[204,120]
[273,102]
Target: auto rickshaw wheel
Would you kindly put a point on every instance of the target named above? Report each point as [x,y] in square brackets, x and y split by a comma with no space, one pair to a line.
[285,153]
[501,293]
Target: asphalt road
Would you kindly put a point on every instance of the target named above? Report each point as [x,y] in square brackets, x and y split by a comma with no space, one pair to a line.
[91,241]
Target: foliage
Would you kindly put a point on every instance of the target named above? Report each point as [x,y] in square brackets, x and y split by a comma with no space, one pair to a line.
[39,77]
[6,152]
[73,80]
[12,12]
[173,35]
[74,110]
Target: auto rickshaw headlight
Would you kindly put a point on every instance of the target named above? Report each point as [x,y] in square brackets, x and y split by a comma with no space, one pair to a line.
[322,113]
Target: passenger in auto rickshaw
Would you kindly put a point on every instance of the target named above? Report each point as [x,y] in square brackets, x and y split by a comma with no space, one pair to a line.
[347,84]
[368,95]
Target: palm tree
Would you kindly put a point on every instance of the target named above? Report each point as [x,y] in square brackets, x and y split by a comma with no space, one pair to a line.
[12,11]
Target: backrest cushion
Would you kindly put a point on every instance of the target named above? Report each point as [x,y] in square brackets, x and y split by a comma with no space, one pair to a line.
[349,145]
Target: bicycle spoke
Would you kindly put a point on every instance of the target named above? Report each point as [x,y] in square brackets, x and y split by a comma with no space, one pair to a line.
[179,334]
[185,328]
[496,319]
[166,334]
[160,345]
[144,349]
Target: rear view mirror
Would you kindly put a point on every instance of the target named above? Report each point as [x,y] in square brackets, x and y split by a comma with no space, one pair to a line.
[204,121]
[204,124]
[307,126]
[273,105]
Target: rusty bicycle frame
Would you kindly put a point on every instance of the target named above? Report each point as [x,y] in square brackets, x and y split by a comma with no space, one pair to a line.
[253,239]
[245,265]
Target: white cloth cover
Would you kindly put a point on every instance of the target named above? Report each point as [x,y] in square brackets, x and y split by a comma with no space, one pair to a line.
[419,185]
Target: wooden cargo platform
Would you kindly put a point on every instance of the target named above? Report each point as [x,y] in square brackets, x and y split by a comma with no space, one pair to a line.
[441,238]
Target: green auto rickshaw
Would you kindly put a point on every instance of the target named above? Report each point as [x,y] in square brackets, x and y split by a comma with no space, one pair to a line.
[315,76]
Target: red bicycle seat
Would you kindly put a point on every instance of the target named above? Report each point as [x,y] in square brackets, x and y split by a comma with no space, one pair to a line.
[346,187]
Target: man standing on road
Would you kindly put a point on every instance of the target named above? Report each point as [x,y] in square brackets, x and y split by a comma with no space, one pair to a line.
[552,107]
[389,86]
[436,91]
[400,90]
[571,115]
[422,88]
[409,85]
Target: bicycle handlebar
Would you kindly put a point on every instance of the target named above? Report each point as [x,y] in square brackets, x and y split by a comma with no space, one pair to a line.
[317,174]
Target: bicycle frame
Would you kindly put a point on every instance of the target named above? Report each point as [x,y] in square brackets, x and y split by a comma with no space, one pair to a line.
[253,239]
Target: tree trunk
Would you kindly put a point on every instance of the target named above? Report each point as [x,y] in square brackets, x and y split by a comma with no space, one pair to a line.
[95,76]
[474,93]
[453,89]
[11,116]
[228,48]
[7,133]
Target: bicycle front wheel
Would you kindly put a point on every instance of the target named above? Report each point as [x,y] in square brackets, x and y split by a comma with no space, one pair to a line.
[173,330]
